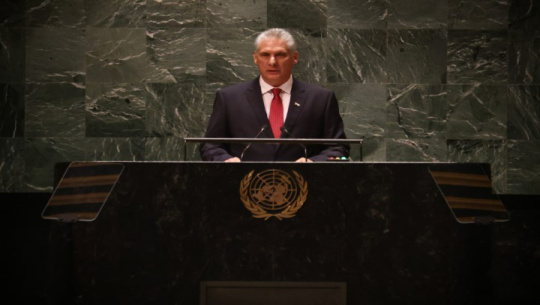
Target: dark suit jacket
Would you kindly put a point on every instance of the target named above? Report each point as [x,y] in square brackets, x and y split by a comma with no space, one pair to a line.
[239,113]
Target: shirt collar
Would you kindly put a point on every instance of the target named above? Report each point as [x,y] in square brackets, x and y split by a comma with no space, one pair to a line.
[285,87]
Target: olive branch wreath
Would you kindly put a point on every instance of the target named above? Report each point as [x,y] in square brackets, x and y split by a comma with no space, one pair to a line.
[288,212]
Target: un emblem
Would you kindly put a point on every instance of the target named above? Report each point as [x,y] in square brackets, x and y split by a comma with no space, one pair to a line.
[273,193]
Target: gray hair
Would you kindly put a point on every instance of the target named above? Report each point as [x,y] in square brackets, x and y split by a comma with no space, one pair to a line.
[278,34]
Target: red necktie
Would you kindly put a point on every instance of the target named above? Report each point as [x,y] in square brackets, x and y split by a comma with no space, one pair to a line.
[276,113]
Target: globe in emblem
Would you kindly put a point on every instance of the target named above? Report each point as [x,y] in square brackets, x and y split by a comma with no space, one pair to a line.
[273,193]
[273,189]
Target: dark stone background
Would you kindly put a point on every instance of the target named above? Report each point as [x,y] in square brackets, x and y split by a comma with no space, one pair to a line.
[429,80]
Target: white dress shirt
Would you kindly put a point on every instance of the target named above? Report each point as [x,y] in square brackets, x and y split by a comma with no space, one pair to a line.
[267,95]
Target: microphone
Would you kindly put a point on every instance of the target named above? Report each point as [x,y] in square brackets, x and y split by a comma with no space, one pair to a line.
[263,128]
[283,129]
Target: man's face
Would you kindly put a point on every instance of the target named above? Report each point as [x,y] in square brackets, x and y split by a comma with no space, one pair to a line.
[275,61]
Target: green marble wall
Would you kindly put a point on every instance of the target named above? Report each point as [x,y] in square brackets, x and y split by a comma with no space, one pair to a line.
[420,80]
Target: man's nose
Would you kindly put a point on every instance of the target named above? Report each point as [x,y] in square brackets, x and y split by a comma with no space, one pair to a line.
[272,60]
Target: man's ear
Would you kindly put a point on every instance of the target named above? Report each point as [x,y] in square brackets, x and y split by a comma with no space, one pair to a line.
[295,56]
[254,58]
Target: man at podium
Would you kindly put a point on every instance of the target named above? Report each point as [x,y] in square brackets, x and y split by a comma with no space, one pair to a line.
[274,105]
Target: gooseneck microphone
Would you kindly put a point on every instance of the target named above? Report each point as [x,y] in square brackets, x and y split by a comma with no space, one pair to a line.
[263,128]
[283,129]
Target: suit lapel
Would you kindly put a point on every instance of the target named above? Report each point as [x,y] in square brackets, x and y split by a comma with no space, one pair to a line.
[254,97]
[297,103]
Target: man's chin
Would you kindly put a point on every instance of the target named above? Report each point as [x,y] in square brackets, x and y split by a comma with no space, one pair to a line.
[273,80]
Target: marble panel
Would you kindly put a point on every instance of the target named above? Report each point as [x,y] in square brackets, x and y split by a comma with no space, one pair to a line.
[236,13]
[416,56]
[176,56]
[493,152]
[355,14]
[177,110]
[524,57]
[54,110]
[429,150]
[115,110]
[170,149]
[12,13]
[114,149]
[364,116]
[175,13]
[478,14]
[55,55]
[193,152]
[373,150]
[40,155]
[477,57]
[477,111]
[362,108]
[11,165]
[423,14]
[58,13]
[524,15]
[302,14]
[11,110]
[164,149]
[311,66]
[116,13]
[523,167]
[416,111]
[356,56]
[12,55]
[116,55]
[524,113]
[210,94]
[209,97]
[229,55]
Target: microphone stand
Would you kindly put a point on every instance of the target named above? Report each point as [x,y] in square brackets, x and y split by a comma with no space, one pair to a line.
[283,129]
[263,128]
